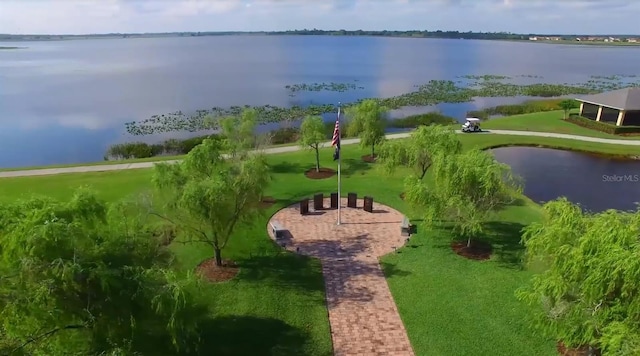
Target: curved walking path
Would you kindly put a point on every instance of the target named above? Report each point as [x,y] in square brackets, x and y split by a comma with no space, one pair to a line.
[362,313]
[273,150]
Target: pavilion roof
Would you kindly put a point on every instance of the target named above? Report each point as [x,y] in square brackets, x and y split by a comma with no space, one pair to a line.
[622,99]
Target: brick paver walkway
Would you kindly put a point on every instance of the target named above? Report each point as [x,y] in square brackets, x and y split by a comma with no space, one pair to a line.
[363,315]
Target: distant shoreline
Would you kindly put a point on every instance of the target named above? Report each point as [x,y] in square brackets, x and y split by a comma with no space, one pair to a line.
[8,48]
[565,39]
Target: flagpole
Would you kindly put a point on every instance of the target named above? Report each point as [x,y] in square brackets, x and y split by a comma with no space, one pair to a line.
[339,159]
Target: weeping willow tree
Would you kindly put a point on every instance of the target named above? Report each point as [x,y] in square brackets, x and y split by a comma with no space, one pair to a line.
[239,133]
[419,149]
[466,190]
[588,294]
[366,121]
[207,195]
[83,277]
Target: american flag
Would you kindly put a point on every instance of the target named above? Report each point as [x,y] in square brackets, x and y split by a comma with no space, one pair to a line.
[335,141]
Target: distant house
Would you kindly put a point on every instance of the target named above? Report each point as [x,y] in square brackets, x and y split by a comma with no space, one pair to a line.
[632,40]
[533,38]
[620,107]
[555,38]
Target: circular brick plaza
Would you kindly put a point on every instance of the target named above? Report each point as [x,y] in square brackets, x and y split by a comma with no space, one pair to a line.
[362,313]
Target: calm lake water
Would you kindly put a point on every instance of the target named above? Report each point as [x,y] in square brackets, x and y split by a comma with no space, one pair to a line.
[597,183]
[66,102]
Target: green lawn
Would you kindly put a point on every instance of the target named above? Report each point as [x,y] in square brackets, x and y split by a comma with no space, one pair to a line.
[450,306]
[550,121]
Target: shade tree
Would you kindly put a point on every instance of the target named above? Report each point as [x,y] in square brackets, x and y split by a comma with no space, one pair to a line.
[313,135]
[419,150]
[587,293]
[85,277]
[366,120]
[466,190]
[207,196]
[567,105]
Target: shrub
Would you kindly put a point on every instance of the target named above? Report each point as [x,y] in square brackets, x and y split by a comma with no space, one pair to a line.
[414,121]
[527,107]
[130,150]
[591,124]
[284,135]
[628,130]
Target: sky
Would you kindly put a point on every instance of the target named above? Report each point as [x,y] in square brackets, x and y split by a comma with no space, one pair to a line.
[135,16]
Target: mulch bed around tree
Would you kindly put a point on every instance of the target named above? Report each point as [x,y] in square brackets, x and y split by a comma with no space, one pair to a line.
[267,202]
[208,269]
[369,158]
[581,351]
[324,173]
[477,251]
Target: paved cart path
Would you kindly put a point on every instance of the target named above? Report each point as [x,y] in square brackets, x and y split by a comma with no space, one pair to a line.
[362,312]
[273,150]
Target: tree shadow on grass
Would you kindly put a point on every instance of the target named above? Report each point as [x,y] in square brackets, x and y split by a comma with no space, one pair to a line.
[247,335]
[284,270]
[342,261]
[287,167]
[515,202]
[505,237]
[354,166]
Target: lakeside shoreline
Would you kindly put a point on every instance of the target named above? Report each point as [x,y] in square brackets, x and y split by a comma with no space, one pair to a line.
[514,138]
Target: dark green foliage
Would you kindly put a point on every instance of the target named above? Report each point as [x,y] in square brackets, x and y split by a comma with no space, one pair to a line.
[131,150]
[527,107]
[588,294]
[603,126]
[84,277]
[467,189]
[567,105]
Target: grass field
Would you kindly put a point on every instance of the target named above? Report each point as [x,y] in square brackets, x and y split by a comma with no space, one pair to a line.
[450,306]
[550,121]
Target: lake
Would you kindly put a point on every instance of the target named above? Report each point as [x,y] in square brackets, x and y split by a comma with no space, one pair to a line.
[67,101]
[597,183]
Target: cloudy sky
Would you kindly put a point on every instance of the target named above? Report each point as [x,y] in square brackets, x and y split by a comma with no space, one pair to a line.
[519,16]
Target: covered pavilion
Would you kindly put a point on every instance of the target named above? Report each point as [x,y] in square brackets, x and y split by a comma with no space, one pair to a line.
[619,107]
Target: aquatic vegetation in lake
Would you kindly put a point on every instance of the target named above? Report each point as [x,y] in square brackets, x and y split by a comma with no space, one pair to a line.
[315,87]
[431,93]
[484,77]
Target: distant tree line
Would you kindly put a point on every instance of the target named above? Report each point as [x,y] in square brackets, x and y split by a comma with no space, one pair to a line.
[469,35]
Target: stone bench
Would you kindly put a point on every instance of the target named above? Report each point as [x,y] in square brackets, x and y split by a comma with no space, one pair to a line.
[277,229]
[406,228]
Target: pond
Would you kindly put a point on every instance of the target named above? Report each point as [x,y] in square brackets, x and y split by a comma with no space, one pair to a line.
[597,183]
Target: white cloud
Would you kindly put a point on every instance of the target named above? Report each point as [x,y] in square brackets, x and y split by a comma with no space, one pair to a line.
[525,16]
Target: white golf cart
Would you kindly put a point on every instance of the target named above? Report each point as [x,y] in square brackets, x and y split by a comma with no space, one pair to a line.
[471,125]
